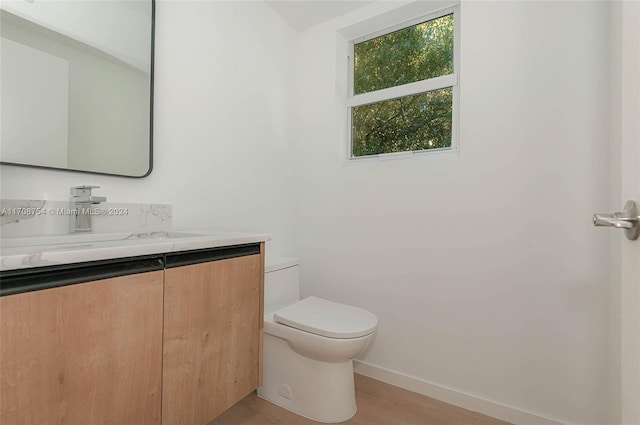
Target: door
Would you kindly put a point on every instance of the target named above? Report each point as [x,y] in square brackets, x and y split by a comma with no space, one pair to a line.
[630,189]
[625,186]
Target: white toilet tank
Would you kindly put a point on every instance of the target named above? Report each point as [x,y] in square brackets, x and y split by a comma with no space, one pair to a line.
[281,283]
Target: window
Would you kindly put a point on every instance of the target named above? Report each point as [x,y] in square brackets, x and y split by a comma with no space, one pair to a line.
[403,88]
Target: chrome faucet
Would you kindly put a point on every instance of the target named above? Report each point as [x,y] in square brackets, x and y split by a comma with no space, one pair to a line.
[81,212]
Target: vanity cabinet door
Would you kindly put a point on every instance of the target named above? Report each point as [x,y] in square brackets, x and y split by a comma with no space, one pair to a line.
[212,337]
[89,353]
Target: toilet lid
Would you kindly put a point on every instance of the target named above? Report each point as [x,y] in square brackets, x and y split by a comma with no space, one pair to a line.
[326,318]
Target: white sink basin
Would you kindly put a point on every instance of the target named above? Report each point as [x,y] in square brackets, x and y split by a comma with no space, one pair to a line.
[61,239]
[27,252]
[165,235]
[80,238]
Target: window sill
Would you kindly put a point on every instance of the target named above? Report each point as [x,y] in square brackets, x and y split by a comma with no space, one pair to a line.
[423,154]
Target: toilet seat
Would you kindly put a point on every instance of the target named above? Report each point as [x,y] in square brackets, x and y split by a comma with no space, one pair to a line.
[327,318]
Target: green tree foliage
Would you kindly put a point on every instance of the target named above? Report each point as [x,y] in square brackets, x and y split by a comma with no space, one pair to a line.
[417,122]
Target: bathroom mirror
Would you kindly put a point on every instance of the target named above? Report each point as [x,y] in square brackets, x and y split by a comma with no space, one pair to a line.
[76,85]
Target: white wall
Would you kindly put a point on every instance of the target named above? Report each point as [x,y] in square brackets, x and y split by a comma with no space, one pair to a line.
[629,150]
[483,269]
[222,142]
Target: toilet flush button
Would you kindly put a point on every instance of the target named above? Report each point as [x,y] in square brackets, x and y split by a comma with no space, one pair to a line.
[285,391]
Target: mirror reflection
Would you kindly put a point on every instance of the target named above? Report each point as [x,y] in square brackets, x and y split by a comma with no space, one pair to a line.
[76,85]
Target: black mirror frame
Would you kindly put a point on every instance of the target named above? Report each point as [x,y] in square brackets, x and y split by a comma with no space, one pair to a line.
[151,74]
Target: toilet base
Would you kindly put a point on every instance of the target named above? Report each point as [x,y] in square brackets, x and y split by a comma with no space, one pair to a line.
[321,391]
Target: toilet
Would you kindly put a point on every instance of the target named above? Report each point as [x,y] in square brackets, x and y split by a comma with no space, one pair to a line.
[309,346]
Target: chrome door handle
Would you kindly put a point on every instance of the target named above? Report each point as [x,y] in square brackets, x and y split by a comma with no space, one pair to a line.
[628,219]
[612,220]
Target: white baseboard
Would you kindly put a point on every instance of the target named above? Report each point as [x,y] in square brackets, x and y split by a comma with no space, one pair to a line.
[466,401]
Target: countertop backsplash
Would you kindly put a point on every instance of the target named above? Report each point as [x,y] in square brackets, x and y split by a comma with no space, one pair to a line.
[30,217]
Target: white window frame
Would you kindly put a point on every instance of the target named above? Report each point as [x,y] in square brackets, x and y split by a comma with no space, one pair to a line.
[417,87]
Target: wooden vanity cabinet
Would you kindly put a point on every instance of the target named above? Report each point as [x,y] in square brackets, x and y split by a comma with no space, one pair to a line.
[213,319]
[174,339]
[88,353]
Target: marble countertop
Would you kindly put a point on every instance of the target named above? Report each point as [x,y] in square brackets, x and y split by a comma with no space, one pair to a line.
[23,253]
